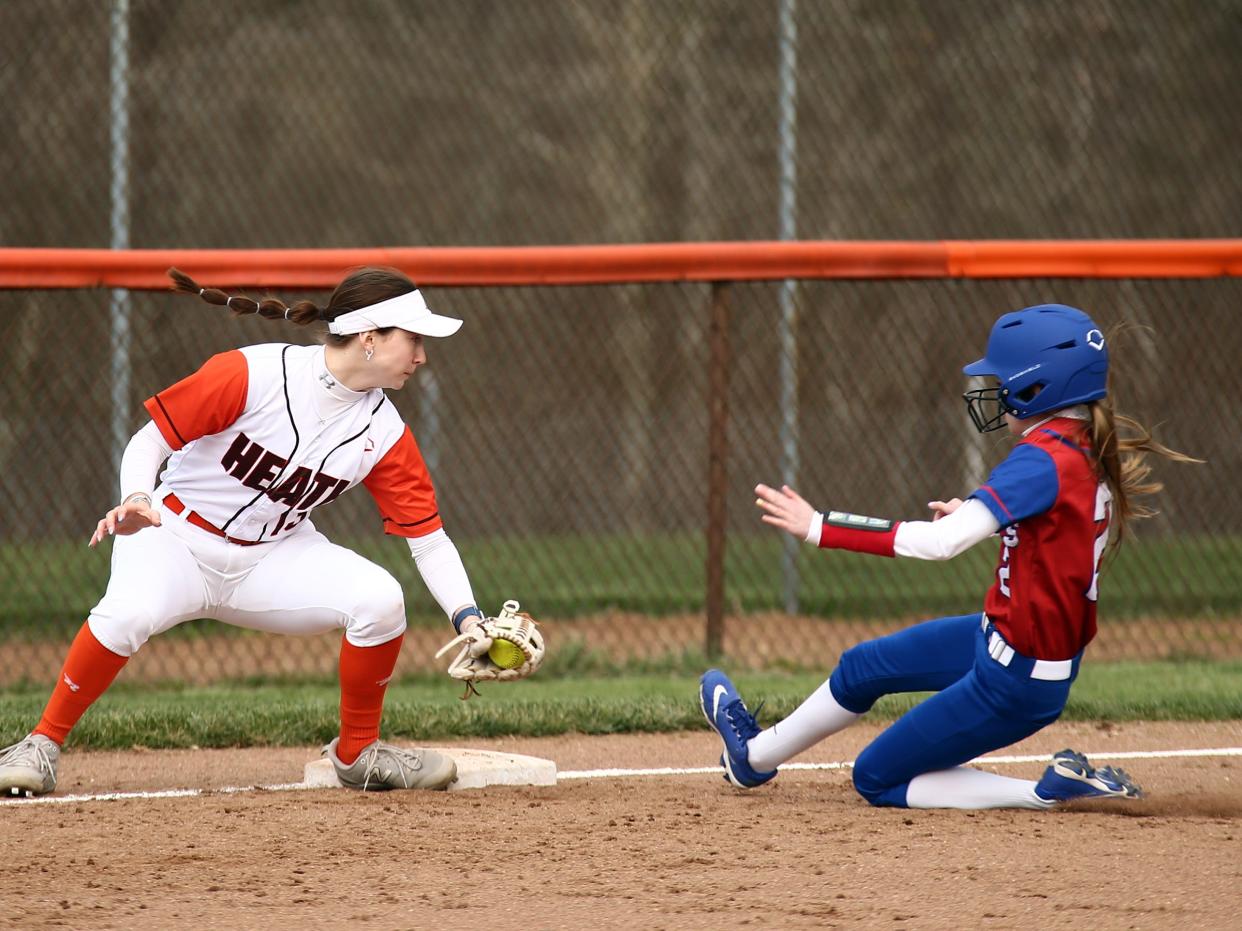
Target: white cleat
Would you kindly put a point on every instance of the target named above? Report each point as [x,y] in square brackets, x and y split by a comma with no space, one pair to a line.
[381,766]
[28,768]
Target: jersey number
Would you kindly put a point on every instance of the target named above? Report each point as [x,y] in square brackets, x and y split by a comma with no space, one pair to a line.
[1010,540]
[285,524]
[1103,500]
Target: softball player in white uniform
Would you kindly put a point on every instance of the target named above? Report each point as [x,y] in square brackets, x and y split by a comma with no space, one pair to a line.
[255,440]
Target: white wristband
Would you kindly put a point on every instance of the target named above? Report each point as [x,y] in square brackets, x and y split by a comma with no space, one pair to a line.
[140,494]
[817,528]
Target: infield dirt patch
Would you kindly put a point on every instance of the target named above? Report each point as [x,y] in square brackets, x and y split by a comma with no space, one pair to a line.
[670,852]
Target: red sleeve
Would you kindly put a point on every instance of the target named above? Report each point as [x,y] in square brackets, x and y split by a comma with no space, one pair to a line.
[205,402]
[401,487]
[861,534]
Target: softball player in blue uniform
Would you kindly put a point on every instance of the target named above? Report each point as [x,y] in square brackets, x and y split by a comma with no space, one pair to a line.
[1003,674]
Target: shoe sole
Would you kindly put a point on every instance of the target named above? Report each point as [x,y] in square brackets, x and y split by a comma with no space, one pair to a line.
[1072,760]
[1074,767]
[16,788]
[703,708]
[1119,778]
[729,777]
[724,757]
[18,792]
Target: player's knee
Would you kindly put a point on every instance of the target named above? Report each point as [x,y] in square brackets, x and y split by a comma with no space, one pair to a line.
[849,681]
[380,611]
[123,629]
[870,782]
[865,783]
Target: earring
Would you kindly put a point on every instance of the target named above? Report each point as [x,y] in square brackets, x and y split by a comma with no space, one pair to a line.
[370,352]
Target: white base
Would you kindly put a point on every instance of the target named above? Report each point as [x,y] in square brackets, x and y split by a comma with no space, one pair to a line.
[475,769]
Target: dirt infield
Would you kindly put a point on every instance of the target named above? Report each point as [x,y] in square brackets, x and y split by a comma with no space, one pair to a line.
[668,852]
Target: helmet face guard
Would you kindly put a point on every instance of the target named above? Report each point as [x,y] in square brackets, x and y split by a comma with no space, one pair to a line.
[986,408]
[1045,358]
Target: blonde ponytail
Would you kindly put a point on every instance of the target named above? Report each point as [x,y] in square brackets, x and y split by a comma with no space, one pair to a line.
[1121,445]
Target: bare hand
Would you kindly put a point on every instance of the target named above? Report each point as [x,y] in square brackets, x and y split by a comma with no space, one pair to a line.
[479,642]
[944,508]
[126,518]
[785,509]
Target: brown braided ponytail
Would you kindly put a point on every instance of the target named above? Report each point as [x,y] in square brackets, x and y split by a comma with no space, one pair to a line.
[360,288]
[270,308]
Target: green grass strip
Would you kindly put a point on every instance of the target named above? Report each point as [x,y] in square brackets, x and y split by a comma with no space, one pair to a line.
[428,709]
[50,586]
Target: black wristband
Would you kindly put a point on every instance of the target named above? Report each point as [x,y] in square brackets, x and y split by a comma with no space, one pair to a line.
[461,616]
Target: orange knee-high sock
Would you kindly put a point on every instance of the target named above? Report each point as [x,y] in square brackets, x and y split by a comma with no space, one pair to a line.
[89,669]
[365,672]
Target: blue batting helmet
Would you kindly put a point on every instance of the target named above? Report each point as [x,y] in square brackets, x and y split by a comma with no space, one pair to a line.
[1045,358]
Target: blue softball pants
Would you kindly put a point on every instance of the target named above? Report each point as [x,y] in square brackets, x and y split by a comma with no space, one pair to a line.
[980,705]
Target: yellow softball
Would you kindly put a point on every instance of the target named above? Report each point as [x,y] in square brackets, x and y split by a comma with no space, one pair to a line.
[506,654]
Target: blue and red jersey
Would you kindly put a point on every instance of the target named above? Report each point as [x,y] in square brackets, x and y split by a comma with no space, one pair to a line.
[1053,511]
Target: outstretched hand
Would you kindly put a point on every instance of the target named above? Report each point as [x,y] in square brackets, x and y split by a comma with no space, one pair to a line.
[126,518]
[785,509]
[944,508]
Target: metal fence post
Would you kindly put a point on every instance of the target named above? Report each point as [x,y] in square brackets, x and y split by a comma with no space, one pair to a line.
[119,309]
[788,361]
[717,457]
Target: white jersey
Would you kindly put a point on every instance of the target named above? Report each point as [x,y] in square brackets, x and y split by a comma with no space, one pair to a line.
[264,434]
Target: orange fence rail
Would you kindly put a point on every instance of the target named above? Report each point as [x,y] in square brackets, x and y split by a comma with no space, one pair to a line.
[716,263]
[144,269]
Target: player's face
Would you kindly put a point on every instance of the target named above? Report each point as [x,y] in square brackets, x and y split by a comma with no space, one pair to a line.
[397,354]
[1016,424]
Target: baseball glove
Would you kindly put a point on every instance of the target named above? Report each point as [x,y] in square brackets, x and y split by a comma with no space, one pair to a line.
[473,664]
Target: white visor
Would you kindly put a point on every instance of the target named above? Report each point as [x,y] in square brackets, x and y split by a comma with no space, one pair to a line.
[408,311]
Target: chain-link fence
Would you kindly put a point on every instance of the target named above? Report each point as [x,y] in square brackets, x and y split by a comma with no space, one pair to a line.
[567,427]
[324,123]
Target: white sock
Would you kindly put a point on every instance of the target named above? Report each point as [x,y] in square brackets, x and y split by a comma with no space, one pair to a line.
[812,721]
[968,788]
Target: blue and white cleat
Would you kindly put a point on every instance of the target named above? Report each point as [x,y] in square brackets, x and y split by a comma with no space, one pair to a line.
[1071,776]
[726,713]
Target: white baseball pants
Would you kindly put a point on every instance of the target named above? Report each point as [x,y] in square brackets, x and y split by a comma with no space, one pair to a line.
[303,584]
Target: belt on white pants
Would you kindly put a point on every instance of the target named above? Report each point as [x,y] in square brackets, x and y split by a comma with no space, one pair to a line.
[1050,670]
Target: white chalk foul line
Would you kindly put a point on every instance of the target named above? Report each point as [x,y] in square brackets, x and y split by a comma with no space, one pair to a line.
[991,760]
[154,793]
[601,774]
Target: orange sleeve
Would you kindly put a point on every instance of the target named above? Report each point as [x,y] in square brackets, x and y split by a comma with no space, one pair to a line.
[205,402]
[401,487]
